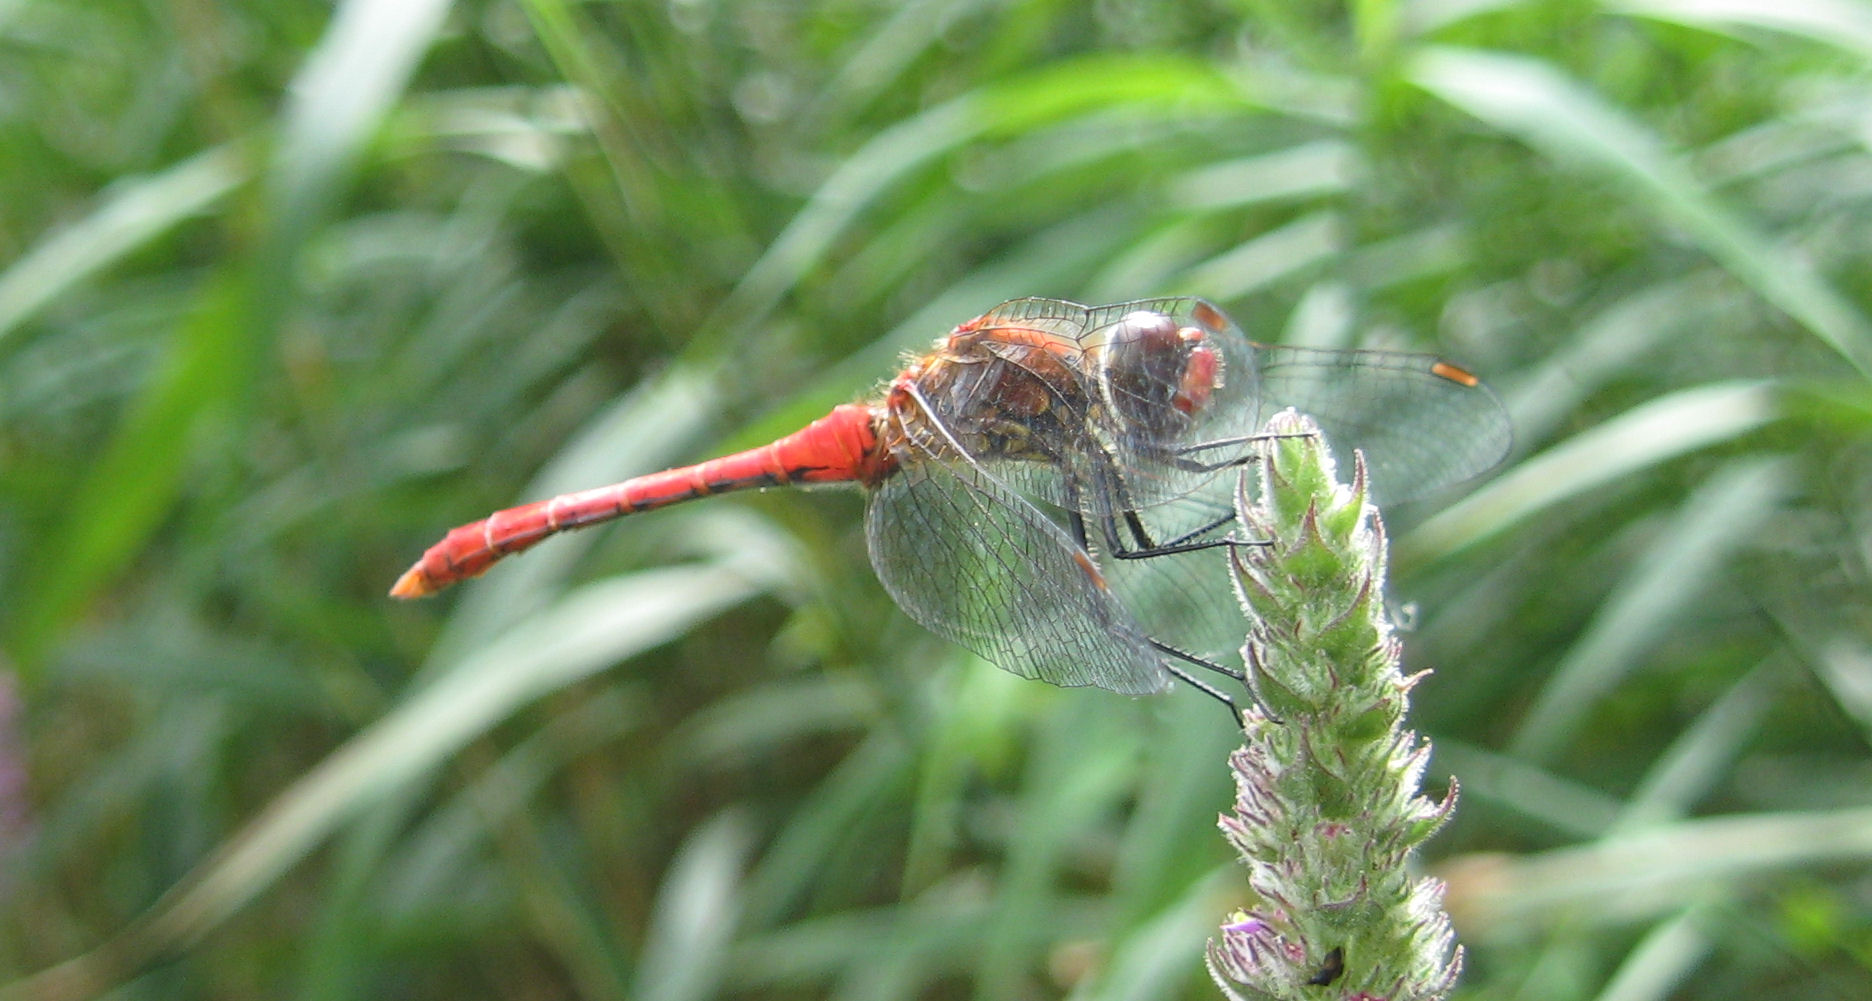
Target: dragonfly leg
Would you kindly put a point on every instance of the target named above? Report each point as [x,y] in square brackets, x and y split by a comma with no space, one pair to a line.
[1202,662]
[1190,541]
[1247,679]
[1206,688]
[1242,439]
[1183,674]
[1206,529]
[1148,548]
[1181,462]
[1181,456]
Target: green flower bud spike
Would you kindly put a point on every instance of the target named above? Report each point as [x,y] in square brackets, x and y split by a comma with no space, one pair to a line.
[1327,810]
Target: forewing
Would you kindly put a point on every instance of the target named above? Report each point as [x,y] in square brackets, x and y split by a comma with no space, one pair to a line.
[1422,423]
[1068,319]
[971,560]
[1184,308]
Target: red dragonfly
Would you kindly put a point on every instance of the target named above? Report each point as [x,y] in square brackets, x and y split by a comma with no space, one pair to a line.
[1043,484]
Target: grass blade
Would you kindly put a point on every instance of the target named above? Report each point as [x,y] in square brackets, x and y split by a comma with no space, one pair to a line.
[695,916]
[1829,22]
[1646,873]
[1530,100]
[340,96]
[1656,432]
[1689,554]
[589,630]
[133,212]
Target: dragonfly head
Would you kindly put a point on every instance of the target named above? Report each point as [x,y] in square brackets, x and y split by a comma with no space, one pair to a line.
[1157,375]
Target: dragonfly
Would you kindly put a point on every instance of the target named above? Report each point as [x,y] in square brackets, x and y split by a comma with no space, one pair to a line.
[1046,486]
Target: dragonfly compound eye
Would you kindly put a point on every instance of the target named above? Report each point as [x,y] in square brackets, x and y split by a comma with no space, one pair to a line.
[1155,374]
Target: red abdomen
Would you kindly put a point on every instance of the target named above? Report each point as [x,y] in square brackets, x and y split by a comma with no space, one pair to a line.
[842,446]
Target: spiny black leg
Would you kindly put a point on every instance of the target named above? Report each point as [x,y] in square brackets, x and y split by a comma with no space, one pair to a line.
[1202,662]
[1179,462]
[1247,678]
[1205,530]
[1173,548]
[1147,547]
[1184,675]
[1186,542]
[1240,440]
[1139,533]
[1180,457]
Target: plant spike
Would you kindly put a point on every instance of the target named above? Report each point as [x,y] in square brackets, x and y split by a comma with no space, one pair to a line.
[1327,809]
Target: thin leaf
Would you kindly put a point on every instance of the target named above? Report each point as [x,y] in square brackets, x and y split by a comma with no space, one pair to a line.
[1667,954]
[133,212]
[1839,23]
[340,97]
[129,488]
[1656,432]
[1088,84]
[1641,875]
[589,630]
[1161,954]
[1685,557]
[1557,116]
[695,916]
[1698,762]
[1305,243]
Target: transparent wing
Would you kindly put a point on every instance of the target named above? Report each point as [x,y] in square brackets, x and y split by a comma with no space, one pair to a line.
[1422,422]
[1184,307]
[1185,599]
[972,561]
[1057,316]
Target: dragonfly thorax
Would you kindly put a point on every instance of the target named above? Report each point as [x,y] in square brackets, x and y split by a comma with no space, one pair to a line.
[991,393]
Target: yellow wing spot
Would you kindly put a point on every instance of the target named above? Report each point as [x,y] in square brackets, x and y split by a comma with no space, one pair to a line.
[1456,374]
[1209,316]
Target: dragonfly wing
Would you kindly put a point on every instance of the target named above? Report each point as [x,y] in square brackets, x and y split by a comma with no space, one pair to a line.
[1052,315]
[1185,600]
[973,561]
[1422,423]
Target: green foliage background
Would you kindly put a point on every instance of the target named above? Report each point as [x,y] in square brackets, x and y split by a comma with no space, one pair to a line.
[287,289]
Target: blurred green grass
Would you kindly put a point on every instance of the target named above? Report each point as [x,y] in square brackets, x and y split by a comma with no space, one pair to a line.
[288,289]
